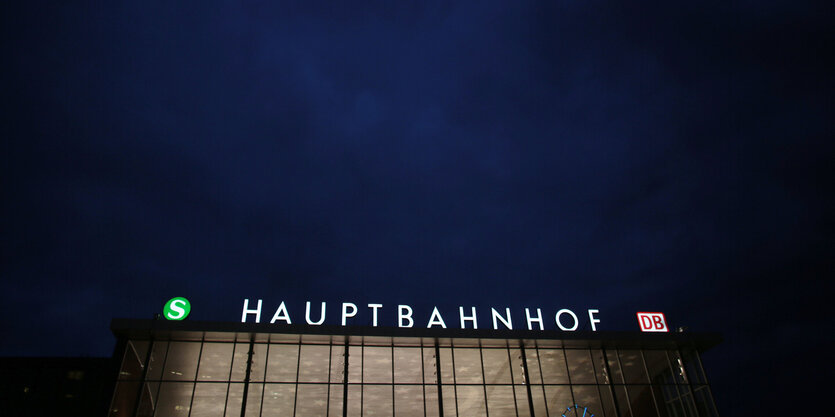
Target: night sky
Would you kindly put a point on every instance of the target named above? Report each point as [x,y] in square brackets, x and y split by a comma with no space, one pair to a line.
[611,155]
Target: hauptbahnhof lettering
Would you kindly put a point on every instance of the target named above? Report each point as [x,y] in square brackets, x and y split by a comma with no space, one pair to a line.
[281,367]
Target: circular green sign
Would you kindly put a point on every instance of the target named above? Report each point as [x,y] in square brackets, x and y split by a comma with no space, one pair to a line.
[176,308]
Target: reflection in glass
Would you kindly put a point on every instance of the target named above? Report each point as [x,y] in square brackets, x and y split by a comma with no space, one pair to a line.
[209,400]
[355,364]
[447,376]
[215,362]
[431,402]
[132,360]
[558,398]
[500,401]
[377,400]
[234,401]
[335,401]
[279,399]
[640,400]
[658,367]
[471,401]
[354,400]
[174,399]
[253,400]
[516,367]
[337,363]
[314,363]
[377,365]
[312,400]
[408,400]
[448,393]
[239,358]
[553,366]
[496,366]
[407,365]
[633,367]
[467,366]
[538,398]
[157,360]
[588,398]
[580,367]
[522,406]
[532,359]
[430,371]
[282,363]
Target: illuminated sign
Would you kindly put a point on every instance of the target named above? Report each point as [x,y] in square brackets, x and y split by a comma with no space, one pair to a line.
[176,308]
[564,319]
[652,322]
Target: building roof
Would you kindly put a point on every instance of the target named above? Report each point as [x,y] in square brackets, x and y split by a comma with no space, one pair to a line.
[284,333]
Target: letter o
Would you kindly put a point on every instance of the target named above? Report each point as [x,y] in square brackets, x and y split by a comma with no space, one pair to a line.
[571,313]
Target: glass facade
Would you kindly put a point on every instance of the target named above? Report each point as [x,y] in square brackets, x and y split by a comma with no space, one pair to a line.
[233,374]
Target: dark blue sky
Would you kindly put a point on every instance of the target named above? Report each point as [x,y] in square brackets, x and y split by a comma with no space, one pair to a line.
[611,155]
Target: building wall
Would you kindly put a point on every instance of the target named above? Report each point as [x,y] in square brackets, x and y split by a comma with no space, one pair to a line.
[291,375]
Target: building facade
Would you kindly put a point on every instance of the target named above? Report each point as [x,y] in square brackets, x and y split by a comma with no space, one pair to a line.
[206,369]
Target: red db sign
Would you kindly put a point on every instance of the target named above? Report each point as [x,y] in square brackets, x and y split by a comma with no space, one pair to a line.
[652,322]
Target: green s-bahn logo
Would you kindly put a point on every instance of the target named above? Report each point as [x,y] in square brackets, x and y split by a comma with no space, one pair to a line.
[176,308]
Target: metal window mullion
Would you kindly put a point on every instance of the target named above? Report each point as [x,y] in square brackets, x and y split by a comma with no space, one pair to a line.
[144,379]
[609,376]
[596,381]
[649,378]
[689,385]
[392,378]
[246,374]
[454,379]
[512,383]
[438,381]
[229,378]
[264,381]
[541,377]
[423,376]
[483,377]
[678,398]
[527,376]
[568,374]
[345,379]
[298,363]
[330,360]
[197,374]
[162,375]
[623,378]
[705,381]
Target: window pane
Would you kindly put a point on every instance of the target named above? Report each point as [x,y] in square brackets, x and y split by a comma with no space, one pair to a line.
[313,365]
[335,402]
[337,363]
[633,367]
[157,360]
[522,406]
[429,369]
[354,400]
[377,365]
[614,366]
[553,366]
[312,400]
[282,363]
[446,367]
[599,367]
[496,366]
[580,366]
[239,359]
[532,359]
[174,399]
[408,400]
[181,363]
[538,398]
[500,401]
[448,393]
[407,365]
[467,366]
[640,399]
[209,399]
[132,360]
[355,365]
[259,362]
[587,398]
[471,400]
[431,401]
[215,362]
[559,399]
[377,400]
[279,399]
[124,400]
[234,400]
[704,402]
[658,367]
[516,367]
